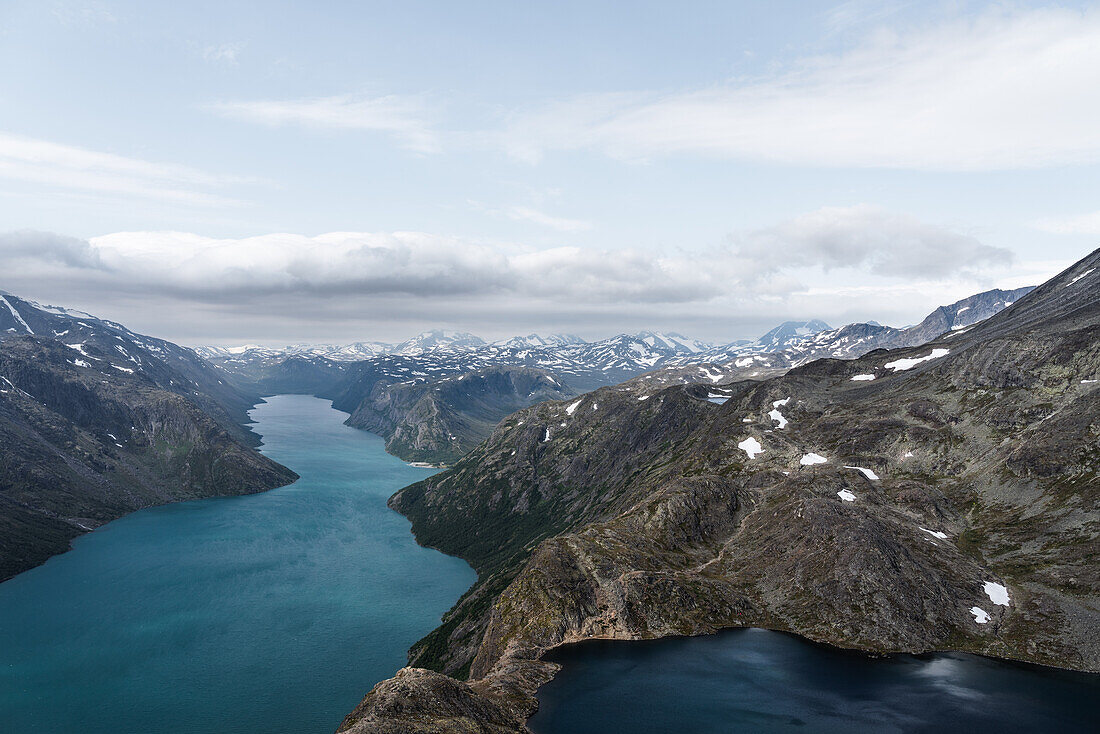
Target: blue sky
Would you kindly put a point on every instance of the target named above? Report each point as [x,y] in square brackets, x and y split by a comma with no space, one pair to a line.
[284,172]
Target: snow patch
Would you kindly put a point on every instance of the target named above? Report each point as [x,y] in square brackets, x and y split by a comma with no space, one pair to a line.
[980,615]
[775,415]
[751,447]
[811,458]
[1082,275]
[935,533]
[900,365]
[846,495]
[16,315]
[866,472]
[861,378]
[997,593]
[571,408]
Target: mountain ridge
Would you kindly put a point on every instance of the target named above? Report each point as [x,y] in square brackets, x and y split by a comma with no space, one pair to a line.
[937,497]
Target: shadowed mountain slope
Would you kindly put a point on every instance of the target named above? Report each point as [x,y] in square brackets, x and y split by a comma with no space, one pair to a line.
[96,422]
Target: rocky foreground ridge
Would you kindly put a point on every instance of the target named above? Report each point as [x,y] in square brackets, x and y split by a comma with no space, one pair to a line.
[941,497]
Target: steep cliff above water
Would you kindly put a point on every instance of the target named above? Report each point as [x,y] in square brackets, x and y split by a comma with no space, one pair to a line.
[438,422]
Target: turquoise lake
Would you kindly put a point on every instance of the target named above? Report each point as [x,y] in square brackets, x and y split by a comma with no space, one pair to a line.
[267,614]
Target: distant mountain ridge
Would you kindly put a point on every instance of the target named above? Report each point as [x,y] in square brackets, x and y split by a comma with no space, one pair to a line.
[606,361]
[380,386]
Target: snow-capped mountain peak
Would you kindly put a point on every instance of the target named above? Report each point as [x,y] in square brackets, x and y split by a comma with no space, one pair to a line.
[437,339]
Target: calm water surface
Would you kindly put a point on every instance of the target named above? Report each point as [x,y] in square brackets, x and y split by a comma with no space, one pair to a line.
[760,681]
[264,614]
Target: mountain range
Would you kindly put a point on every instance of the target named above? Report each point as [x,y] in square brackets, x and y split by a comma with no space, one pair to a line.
[440,425]
[887,489]
[933,497]
[99,420]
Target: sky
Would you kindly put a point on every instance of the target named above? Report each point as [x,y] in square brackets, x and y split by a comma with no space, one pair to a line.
[243,172]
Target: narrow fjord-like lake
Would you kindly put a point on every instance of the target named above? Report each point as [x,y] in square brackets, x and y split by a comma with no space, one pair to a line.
[267,614]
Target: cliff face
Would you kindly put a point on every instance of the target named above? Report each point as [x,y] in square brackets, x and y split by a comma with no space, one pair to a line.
[93,426]
[439,421]
[930,498]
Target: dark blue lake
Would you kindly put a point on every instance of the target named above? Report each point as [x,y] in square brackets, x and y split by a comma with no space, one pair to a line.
[267,614]
[760,681]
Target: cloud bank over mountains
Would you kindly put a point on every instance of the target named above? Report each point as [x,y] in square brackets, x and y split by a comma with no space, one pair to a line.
[345,279]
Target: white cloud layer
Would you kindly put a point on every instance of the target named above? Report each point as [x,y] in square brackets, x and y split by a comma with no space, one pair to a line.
[403,116]
[342,278]
[1005,90]
[870,238]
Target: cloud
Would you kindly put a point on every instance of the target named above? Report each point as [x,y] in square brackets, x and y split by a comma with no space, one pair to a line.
[1081,224]
[224,53]
[527,214]
[403,116]
[853,14]
[47,248]
[428,266]
[1004,90]
[81,13]
[65,166]
[869,238]
[535,216]
[416,264]
[838,264]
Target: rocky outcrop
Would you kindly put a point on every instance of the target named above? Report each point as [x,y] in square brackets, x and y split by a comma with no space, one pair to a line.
[418,701]
[880,503]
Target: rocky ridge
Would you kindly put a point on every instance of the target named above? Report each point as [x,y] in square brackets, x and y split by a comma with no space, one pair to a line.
[942,497]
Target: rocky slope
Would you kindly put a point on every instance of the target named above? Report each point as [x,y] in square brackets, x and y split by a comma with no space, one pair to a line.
[943,497]
[438,422]
[170,366]
[96,422]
